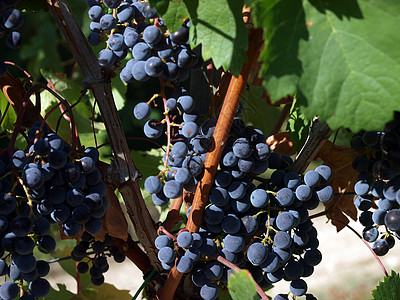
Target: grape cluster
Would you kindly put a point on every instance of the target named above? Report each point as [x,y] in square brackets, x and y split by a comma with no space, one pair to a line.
[38,188]
[258,223]
[96,264]
[378,181]
[186,156]
[11,20]
[154,53]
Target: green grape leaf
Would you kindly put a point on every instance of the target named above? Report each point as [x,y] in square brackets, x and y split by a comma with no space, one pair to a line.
[298,126]
[175,15]
[62,293]
[161,6]
[105,292]
[388,289]
[119,90]
[284,26]
[220,29]
[255,110]
[240,286]
[335,57]
[346,61]
[10,116]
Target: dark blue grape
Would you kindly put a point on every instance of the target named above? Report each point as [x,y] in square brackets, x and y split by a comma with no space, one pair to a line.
[95,13]
[9,290]
[271,263]
[148,12]
[173,189]
[116,42]
[189,129]
[208,247]
[182,175]
[171,71]
[106,58]
[162,241]
[152,35]
[233,243]
[231,224]
[209,292]
[293,270]
[185,239]
[94,225]
[14,40]
[154,66]
[181,36]
[392,219]
[25,263]
[112,3]
[33,178]
[303,192]
[142,111]
[21,226]
[213,215]
[184,264]
[39,288]
[141,51]
[24,245]
[298,287]
[199,278]
[107,22]
[166,255]
[257,253]
[312,178]
[230,159]
[259,198]
[325,194]
[131,37]
[125,13]
[241,148]
[285,221]
[47,242]
[285,197]
[282,240]
[153,129]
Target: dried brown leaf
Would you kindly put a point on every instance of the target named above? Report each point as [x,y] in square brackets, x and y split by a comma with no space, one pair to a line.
[114,221]
[280,143]
[339,159]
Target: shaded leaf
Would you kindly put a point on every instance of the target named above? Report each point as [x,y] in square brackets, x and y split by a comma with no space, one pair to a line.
[105,292]
[284,27]
[28,6]
[62,293]
[223,294]
[175,15]
[220,29]
[241,286]
[280,143]
[339,159]
[298,126]
[258,113]
[388,289]
[119,91]
[161,6]
[10,118]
